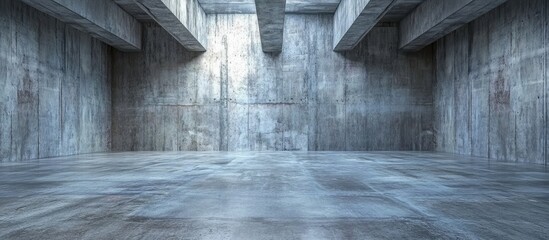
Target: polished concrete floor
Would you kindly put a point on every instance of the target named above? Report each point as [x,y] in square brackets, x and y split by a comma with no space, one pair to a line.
[276,195]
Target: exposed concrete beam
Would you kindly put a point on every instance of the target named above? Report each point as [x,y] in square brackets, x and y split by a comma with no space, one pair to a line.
[353,19]
[133,8]
[102,19]
[433,19]
[185,20]
[270,15]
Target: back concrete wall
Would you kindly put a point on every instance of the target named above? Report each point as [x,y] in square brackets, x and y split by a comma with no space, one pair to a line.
[491,89]
[55,96]
[235,97]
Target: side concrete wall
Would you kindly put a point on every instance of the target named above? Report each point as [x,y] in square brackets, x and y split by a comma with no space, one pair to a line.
[55,87]
[491,85]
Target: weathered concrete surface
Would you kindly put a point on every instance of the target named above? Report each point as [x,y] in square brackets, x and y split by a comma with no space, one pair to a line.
[185,20]
[102,19]
[433,19]
[242,7]
[311,6]
[248,6]
[353,19]
[400,9]
[54,87]
[491,90]
[275,195]
[228,6]
[134,9]
[270,18]
[235,97]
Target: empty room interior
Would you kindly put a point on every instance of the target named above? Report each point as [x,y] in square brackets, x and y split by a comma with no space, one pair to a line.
[274,119]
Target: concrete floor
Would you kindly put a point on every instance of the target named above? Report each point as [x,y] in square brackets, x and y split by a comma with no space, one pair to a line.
[276,195]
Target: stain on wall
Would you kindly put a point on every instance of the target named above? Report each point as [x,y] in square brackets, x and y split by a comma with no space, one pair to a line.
[55,96]
[491,85]
[235,97]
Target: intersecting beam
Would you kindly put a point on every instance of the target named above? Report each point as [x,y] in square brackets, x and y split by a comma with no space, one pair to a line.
[131,7]
[270,15]
[353,19]
[102,19]
[185,20]
[433,19]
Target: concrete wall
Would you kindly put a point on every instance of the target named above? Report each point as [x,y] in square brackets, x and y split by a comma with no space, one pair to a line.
[54,87]
[491,89]
[235,97]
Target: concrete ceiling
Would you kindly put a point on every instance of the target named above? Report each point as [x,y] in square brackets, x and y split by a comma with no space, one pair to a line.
[248,6]
[399,11]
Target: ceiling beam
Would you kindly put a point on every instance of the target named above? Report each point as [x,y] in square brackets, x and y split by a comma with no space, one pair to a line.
[185,20]
[433,19]
[248,6]
[102,19]
[270,15]
[133,8]
[353,19]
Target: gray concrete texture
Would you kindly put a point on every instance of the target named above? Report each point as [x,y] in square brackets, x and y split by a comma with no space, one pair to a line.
[276,195]
[270,18]
[235,97]
[397,12]
[133,8]
[400,9]
[491,89]
[102,19]
[490,96]
[248,6]
[434,19]
[184,20]
[355,18]
[54,87]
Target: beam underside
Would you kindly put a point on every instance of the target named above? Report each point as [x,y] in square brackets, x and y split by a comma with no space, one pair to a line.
[432,20]
[102,19]
[270,15]
[184,20]
[355,18]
